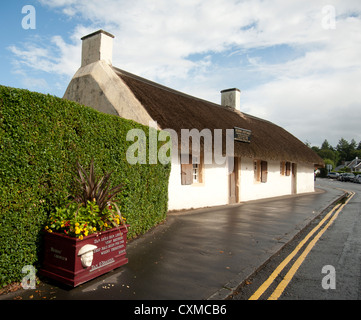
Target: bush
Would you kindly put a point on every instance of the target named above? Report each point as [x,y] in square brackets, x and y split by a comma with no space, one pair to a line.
[41,139]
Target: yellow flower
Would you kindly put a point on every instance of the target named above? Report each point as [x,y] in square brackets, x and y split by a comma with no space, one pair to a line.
[50,230]
[46,228]
[105,224]
[86,232]
[77,230]
[77,224]
[81,237]
[94,229]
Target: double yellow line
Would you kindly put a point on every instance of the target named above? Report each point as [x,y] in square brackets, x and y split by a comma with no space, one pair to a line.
[288,277]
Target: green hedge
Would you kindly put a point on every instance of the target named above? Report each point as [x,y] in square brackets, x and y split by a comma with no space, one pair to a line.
[41,139]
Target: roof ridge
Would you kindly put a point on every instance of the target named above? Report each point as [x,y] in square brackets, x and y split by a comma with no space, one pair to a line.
[163,87]
[244,115]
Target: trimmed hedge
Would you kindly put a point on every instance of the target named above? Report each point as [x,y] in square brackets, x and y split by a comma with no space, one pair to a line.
[41,139]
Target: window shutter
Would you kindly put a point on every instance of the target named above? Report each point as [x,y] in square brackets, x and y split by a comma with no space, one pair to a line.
[264,171]
[282,168]
[187,174]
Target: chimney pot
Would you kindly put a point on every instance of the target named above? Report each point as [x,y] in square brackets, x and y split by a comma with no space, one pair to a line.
[231,98]
[97,46]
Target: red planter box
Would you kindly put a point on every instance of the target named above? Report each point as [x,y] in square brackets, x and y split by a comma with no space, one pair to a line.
[73,261]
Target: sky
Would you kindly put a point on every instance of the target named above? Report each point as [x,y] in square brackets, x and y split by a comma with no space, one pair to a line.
[297,63]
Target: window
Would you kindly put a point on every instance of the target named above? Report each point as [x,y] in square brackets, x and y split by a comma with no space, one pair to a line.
[191,172]
[285,168]
[195,172]
[282,168]
[260,171]
[256,170]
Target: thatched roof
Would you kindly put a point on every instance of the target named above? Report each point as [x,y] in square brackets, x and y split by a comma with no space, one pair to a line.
[176,110]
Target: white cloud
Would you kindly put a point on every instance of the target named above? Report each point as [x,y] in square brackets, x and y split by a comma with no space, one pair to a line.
[156,38]
[315,96]
[201,46]
[55,56]
[41,58]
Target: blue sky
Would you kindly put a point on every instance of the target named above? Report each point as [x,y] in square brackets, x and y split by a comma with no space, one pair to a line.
[297,63]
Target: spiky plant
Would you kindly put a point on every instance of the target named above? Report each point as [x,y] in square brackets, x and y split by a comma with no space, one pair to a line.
[92,188]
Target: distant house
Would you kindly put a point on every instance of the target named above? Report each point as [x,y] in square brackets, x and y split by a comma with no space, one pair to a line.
[354,165]
[358,167]
[340,167]
[268,161]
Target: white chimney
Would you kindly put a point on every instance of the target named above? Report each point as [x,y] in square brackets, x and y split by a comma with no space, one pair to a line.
[97,46]
[231,98]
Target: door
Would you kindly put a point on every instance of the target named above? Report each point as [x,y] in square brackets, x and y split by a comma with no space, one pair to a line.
[233,180]
[294,178]
[264,171]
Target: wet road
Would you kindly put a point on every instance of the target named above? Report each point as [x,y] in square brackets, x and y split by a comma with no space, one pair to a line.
[331,269]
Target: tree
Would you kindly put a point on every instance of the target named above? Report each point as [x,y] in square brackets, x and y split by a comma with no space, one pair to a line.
[352,147]
[344,149]
[328,152]
[326,145]
[359,146]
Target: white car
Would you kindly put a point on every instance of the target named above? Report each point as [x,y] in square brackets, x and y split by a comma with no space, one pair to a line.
[333,175]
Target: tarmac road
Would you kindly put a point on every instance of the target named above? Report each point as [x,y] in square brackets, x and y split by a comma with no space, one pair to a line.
[332,268]
[199,254]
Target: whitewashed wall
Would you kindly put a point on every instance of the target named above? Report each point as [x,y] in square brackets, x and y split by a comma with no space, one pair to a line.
[276,184]
[305,178]
[212,191]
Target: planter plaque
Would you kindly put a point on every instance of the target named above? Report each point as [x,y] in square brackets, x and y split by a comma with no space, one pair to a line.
[73,261]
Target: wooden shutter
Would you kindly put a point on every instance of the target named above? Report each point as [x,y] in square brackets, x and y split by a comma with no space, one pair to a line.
[282,168]
[186,174]
[264,171]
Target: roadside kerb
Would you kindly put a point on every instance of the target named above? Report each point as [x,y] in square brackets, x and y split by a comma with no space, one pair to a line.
[231,287]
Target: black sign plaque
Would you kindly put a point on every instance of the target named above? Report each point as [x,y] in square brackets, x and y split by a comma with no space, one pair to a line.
[242,135]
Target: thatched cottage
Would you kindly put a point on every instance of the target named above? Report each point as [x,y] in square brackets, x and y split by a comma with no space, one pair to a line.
[267,161]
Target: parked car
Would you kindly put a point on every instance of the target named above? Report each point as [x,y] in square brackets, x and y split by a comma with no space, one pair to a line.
[332,175]
[357,179]
[347,177]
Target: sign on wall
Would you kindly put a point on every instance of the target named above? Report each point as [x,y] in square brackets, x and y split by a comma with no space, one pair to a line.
[242,135]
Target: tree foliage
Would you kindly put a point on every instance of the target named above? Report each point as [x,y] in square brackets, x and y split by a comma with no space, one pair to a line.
[343,151]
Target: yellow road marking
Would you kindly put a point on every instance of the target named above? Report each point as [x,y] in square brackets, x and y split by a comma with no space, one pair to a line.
[283,284]
[283,264]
